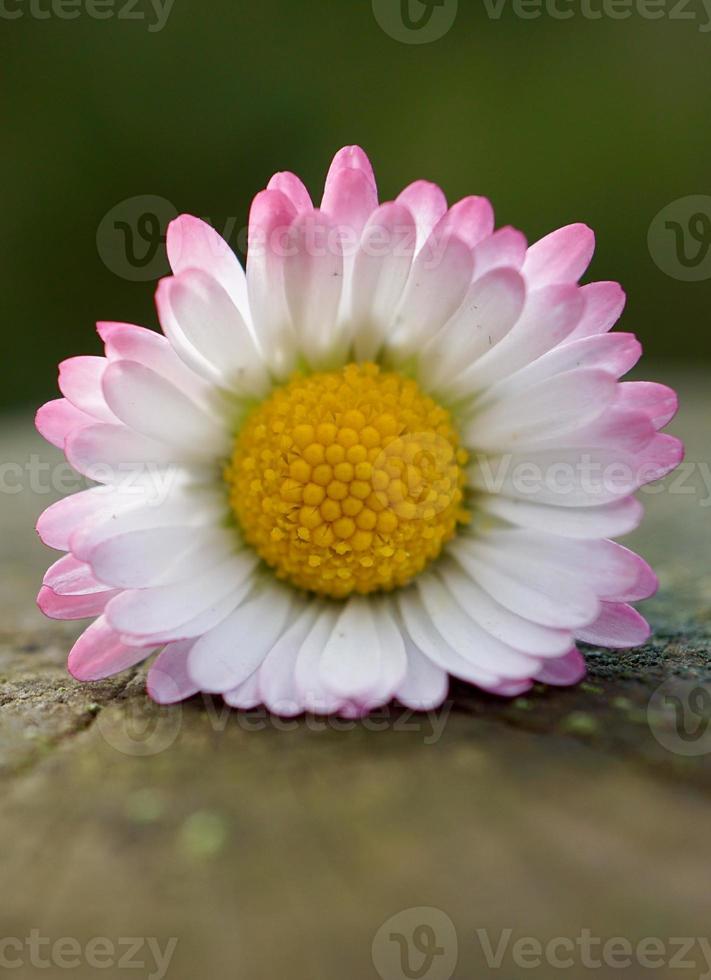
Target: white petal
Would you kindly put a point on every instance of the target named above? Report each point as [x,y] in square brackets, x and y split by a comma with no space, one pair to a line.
[153,406]
[246,695]
[489,310]
[208,332]
[380,271]
[159,556]
[313,281]
[438,282]
[351,661]
[541,594]
[226,656]
[469,640]
[144,612]
[513,630]
[200,624]
[609,521]
[277,681]
[548,316]
[433,645]
[393,656]
[312,692]
[550,409]
[425,685]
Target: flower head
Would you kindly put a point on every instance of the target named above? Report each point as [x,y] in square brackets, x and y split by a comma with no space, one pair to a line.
[393,450]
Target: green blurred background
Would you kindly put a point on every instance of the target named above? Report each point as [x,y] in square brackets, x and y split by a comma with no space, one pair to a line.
[604,121]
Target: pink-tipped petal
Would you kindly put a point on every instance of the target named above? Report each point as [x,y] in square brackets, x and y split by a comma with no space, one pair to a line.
[604,302]
[505,248]
[270,218]
[59,521]
[659,402]
[560,257]
[564,671]
[618,626]
[56,606]
[660,456]
[427,204]
[99,653]
[127,342]
[293,188]
[80,383]
[56,419]
[70,576]
[471,220]
[193,244]
[350,158]
[349,200]
[168,680]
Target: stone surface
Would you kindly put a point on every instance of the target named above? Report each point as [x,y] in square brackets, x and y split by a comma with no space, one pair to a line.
[271,849]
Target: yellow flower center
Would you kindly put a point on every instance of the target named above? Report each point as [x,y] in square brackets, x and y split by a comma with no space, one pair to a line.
[348,481]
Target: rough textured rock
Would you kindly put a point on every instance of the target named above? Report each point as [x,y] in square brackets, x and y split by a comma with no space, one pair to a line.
[271,849]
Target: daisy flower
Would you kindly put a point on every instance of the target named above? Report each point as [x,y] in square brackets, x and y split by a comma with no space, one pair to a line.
[392,450]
